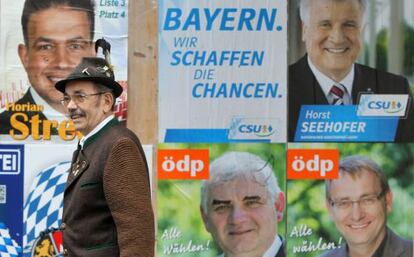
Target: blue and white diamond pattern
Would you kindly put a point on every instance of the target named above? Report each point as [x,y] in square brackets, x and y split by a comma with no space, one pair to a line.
[44,205]
[8,247]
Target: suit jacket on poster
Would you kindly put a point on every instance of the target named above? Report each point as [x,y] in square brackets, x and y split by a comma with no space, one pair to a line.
[107,201]
[5,116]
[395,246]
[304,89]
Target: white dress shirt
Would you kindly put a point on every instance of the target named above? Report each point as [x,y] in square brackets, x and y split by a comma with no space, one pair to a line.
[326,83]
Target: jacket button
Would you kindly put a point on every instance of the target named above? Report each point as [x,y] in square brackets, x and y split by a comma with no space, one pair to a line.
[63,226]
[65,252]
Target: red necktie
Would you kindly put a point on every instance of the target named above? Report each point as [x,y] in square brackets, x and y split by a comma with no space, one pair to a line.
[337,91]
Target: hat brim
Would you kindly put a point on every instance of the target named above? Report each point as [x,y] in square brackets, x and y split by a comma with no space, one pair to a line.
[107,82]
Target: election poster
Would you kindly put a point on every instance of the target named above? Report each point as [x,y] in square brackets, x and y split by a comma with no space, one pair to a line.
[32,60]
[351,85]
[31,188]
[41,42]
[203,188]
[344,195]
[222,71]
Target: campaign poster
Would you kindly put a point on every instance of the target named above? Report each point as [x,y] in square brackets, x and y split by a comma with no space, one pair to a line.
[351,213]
[31,188]
[11,195]
[351,85]
[30,106]
[32,118]
[181,170]
[31,191]
[222,71]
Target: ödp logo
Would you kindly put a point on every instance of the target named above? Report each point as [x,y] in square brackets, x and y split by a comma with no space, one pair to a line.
[313,163]
[183,164]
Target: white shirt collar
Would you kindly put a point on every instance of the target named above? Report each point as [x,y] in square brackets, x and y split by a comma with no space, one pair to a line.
[326,83]
[96,129]
[274,248]
[48,111]
[272,251]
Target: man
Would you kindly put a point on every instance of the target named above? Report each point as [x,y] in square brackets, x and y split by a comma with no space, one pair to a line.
[107,204]
[57,34]
[241,205]
[358,202]
[327,74]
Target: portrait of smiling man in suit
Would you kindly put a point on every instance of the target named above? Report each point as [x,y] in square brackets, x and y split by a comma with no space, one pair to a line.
[57,34]
[332,31]
[358,203]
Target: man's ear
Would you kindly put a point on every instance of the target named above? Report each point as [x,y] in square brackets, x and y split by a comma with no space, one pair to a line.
[304,30]
[109,101]
[205,218]
[388,201]
[329,208]
[280,205]
[22,51]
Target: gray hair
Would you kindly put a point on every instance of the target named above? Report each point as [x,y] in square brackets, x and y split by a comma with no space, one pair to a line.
[355,164]
[232,165]
[305,4]
[102,88]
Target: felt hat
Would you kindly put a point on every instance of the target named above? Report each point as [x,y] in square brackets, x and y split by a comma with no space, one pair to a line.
[92,69]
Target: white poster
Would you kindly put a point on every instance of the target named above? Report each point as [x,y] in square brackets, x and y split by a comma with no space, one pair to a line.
[222,71]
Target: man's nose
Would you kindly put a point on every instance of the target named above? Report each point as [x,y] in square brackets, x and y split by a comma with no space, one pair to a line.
[357,212]
[238,215]
[62,58]
[71,105]
[336,35]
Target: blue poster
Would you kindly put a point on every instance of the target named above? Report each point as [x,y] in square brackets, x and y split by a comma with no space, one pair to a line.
[341,123]
[11,198]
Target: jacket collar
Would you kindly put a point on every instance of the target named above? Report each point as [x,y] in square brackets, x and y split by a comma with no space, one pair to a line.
[92,138]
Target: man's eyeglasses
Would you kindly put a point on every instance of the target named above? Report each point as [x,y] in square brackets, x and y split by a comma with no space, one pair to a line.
[78,97]
[364,202]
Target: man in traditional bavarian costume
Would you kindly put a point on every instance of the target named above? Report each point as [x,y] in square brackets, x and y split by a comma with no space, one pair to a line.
[107,202]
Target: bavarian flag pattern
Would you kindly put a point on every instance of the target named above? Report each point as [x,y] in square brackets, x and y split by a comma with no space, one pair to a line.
[8,247]
[44,205]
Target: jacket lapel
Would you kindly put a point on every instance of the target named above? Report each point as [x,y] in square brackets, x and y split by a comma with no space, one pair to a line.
[310,92]
[394,245]
[364,82]
[79,164]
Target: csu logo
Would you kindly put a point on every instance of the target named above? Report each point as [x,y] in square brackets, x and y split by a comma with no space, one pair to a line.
[387,106]
[251,128]
[11,159]
[256,129]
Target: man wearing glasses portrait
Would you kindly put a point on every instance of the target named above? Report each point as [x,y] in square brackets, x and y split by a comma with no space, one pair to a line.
[57,34]
[358,202]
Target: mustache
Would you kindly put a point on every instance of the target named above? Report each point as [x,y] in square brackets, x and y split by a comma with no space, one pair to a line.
[75,112]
